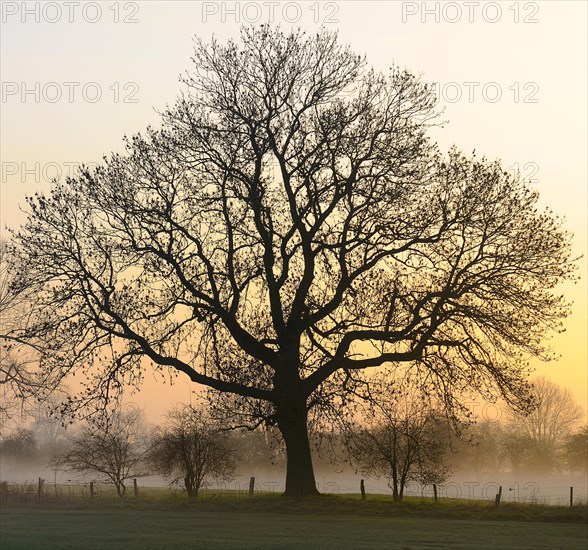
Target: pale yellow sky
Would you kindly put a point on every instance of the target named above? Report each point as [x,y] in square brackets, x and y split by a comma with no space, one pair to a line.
[511,76]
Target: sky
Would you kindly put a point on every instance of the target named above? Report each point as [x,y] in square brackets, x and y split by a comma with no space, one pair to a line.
[511,76]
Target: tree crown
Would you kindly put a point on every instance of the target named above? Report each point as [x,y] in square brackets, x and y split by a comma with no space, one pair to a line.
[287,229]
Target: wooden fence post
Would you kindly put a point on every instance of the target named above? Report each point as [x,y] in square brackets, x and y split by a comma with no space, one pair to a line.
[571,497]
[91,489]
[40,489]
[435,493]
[135,487]
[498,497]
[251,486]
[362,489]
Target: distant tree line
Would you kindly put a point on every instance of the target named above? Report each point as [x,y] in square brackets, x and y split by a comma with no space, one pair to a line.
[402,436]
[547,440]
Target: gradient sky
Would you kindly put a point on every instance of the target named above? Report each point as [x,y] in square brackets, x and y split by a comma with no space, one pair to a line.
[511,75]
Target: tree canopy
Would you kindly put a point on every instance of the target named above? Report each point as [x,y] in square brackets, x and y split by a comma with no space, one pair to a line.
[192,449]
[288,229]
[403,436]
[113,446]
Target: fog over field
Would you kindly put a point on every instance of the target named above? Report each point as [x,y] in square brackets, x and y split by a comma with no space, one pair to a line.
[529,488]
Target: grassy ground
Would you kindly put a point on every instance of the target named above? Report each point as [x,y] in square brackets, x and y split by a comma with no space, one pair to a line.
[231,521]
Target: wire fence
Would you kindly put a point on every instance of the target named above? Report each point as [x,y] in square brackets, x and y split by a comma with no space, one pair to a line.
[531,493]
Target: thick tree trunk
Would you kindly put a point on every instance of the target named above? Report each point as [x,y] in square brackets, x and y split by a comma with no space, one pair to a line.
[292,422]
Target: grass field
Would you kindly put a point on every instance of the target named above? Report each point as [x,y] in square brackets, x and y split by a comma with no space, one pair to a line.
[273,522]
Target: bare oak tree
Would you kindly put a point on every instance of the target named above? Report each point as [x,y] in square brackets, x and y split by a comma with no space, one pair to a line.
[191,448]
[288,229]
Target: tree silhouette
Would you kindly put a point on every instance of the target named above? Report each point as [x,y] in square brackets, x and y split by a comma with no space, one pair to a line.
[288,229]
[536,440]
[114,446]
[191,448]
[402,436]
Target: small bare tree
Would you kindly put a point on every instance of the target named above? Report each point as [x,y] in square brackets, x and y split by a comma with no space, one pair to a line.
[190,448]
[432,465]
[114,446]
[402,437]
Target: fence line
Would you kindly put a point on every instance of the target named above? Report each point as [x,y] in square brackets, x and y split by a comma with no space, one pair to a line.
[526,493]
